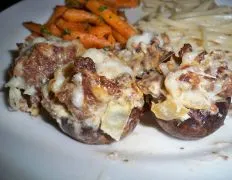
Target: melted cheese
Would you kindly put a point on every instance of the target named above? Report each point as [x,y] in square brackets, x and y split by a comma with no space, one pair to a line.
[16,82]
[30,90]
[107,64]
[60,110]
[196,98]
[198,88]
[78,94]
[134,95]
[16,100]
[172,85]
[50,40]
[144,39]
[189,58]
[58,81]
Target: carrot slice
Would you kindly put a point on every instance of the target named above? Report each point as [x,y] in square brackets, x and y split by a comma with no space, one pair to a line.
[119,37]
[111,18]
[126,3]
[120,3]
[75,3]
[100,31]
[55,30]
[71,26]
[33,27]
[111,39]
[58,12]
[76,15]
[111,5]
[88,40]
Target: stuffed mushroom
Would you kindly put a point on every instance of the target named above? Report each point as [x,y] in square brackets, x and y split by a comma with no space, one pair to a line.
[190,94]
[94,99]
[38,59]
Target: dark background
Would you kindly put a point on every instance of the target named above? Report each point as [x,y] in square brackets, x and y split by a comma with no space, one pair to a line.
[7,3]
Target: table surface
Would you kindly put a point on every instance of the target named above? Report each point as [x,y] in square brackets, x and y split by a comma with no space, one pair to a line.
[8,4]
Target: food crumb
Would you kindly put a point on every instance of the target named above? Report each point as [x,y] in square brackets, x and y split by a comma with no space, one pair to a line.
[113,155]
[222,143]
[116,156]
[224,157]
[125,160]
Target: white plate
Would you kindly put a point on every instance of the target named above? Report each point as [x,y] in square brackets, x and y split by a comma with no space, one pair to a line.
[31,148]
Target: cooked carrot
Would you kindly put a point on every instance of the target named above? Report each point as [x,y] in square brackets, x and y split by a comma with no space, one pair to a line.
[126,3]
[75,3]
[120,3]
[111,18]
[58,12]
[45,29]
[34,34]
[55,30]
[100,31]
[111,39]
[110,4]
[80,1]
[76,15]
[88,40]
[72,35]
[72,26]
[119,37]
[93,41]
[33,27]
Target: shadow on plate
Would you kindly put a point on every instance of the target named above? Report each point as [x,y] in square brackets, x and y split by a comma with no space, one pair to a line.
[48,119]
[148,120]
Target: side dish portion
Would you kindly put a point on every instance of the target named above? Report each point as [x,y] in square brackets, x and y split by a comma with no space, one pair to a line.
[201,23]
[97,24]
